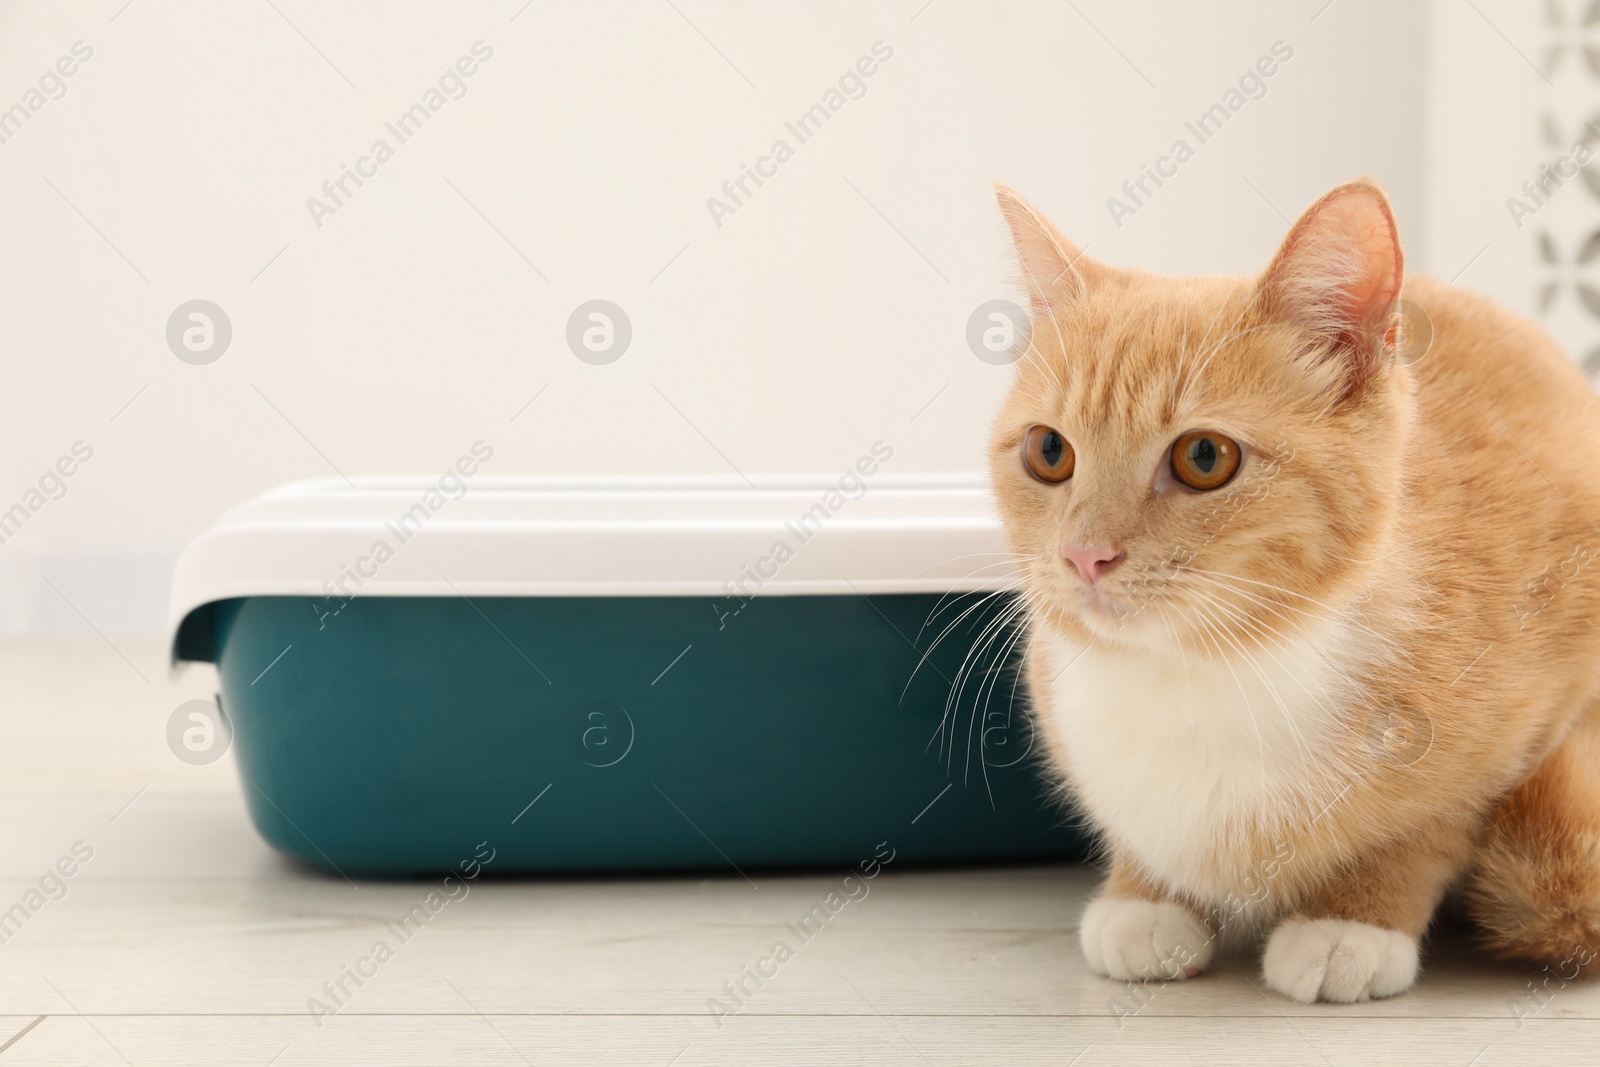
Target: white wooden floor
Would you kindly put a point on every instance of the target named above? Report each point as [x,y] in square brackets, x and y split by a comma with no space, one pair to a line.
[185,940]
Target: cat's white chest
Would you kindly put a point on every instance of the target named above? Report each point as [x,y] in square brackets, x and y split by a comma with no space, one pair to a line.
[1185,762]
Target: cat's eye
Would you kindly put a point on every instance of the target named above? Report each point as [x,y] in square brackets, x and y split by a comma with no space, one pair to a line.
[1205,460]
[1047,456]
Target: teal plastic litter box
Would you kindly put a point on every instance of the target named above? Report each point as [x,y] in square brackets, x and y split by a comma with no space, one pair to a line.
[623,674]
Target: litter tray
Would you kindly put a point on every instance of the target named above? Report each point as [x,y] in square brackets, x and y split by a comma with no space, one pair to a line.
[604,674]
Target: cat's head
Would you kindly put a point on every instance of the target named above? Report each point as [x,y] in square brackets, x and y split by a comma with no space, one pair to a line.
[1206,461]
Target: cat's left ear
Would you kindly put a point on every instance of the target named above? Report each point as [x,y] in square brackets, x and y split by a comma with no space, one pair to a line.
[1338,276]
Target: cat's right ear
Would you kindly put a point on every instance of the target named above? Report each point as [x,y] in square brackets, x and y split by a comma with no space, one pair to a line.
[1050,263]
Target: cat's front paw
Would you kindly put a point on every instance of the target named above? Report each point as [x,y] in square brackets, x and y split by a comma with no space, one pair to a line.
[1332,959]
[1129,939]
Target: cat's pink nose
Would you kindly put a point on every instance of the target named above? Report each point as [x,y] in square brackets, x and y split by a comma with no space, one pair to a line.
[1092,561]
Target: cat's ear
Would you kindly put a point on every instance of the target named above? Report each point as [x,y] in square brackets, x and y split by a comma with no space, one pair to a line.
[1338,275]
[1050,263]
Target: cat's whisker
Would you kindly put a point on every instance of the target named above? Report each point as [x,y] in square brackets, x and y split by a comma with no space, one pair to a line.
[1261,600]
[1332,611]
[1010,559]
[1018,673]
[1307,756]
[980,647]
[1278,608]
[1183,363]
[1183,357]
[1059,365]
[1262,626]
[1183,653]
[986,636]
[952,695]
[983,598]
[997,665]
[1016,585]
[1242,619]
[1191,376]
[1200,370]
[1217,636]
[954,598]
[1336,766]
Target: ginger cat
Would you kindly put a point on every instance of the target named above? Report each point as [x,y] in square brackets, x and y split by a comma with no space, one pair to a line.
[1313,636]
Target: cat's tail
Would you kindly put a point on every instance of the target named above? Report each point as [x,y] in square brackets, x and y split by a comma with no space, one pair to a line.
[1535,891]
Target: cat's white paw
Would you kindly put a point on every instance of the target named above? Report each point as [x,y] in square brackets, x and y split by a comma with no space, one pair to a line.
[1130,939]
[1331,959]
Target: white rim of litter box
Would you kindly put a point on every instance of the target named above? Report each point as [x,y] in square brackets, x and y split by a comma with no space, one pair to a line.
[710,536]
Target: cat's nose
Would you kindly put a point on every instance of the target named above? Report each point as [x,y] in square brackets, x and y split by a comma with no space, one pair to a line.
[1092,561]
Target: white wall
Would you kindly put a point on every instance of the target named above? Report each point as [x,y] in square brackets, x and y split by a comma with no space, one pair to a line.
[1487,93]
[823,315]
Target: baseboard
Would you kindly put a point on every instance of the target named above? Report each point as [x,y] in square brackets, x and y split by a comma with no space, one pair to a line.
[49,591]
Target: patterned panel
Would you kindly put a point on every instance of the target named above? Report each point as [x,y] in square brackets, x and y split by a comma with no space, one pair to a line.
[1559,206]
